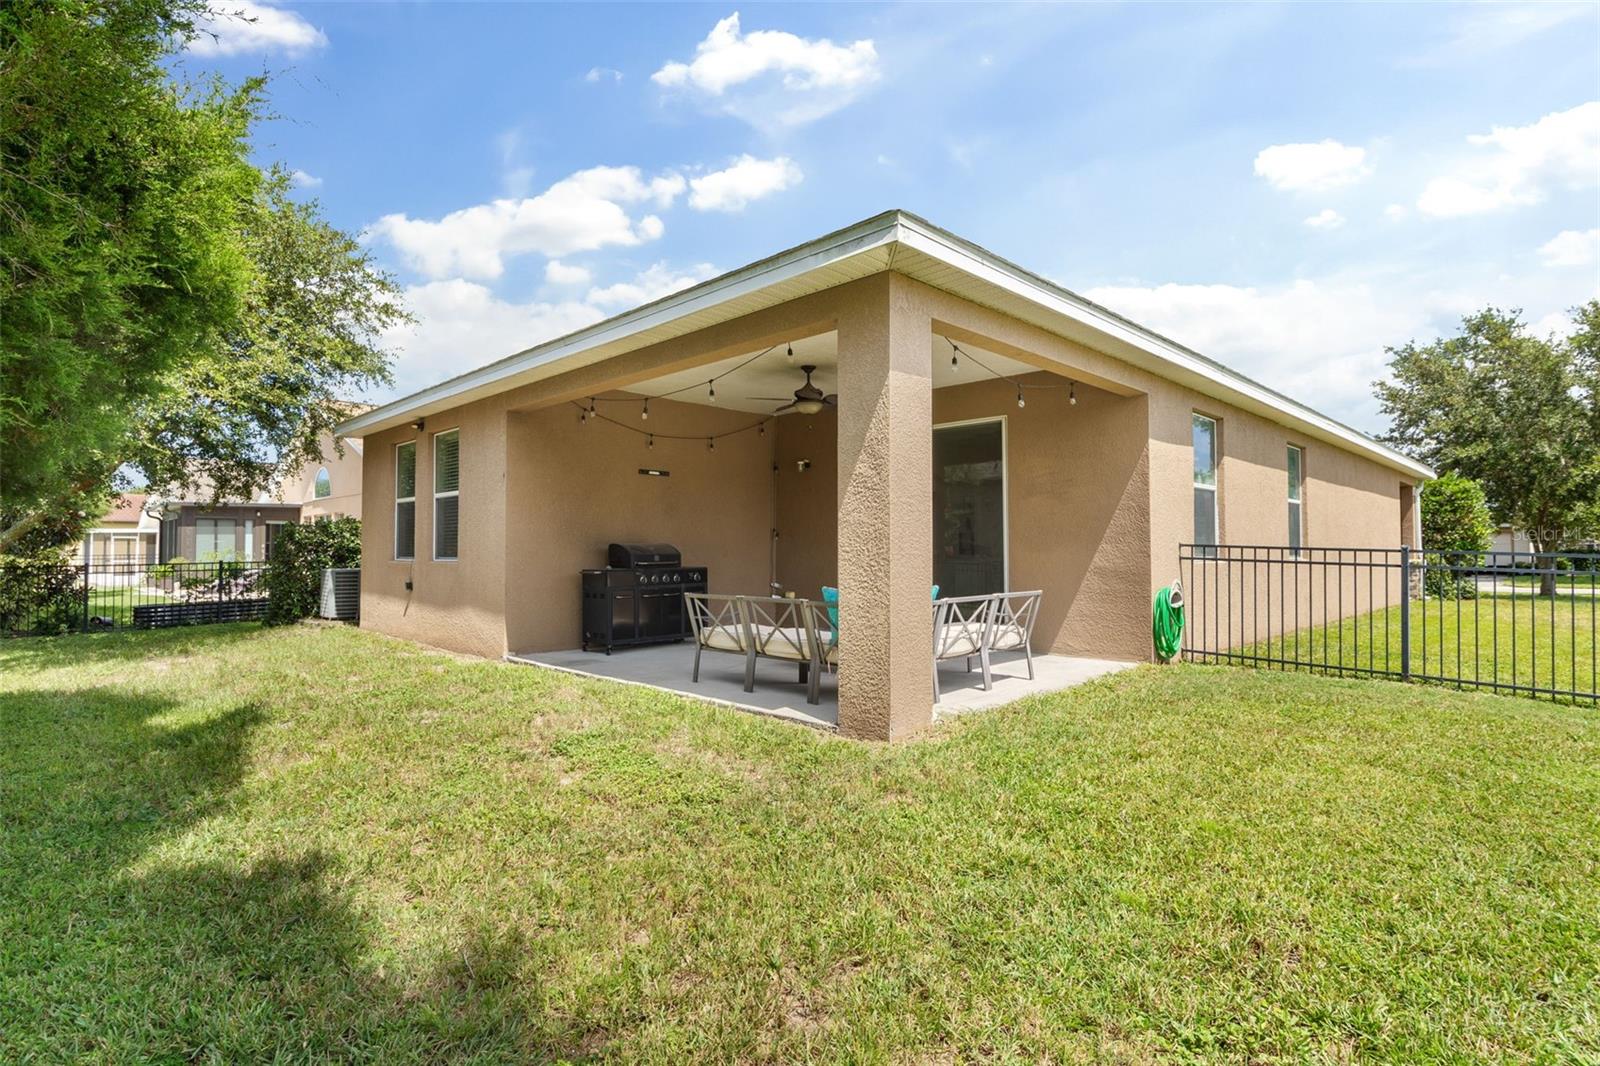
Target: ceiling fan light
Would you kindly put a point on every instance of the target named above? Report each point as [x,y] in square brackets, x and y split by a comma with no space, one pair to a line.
[809,407]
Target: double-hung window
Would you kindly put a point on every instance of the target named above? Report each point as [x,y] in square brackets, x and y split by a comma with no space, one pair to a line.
[446,492]
[1205,479]
[1297,482]
[405,500]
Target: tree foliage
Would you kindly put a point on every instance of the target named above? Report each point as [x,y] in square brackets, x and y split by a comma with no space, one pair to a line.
[1455,518]
[166,304]
[1517,413]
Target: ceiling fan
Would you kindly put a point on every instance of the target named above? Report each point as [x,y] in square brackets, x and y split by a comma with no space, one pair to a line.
[807,400]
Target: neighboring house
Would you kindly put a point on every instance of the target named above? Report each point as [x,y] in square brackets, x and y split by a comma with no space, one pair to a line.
[199,530]
[990,428]
[124,536]
[1508,547]
[329,487]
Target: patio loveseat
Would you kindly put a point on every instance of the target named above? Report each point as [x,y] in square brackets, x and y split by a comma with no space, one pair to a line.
[806,632]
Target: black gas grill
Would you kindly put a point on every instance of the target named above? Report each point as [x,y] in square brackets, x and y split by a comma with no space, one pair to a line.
[638,598]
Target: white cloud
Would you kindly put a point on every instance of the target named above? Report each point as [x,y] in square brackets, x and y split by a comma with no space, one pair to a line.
[1561,149]
[580,213]
[234,27]
[1327,218]
[1395,212]
[747,180]
[558,273]
[1481,29]
[1571,248]
[599,74]
[1314,167]
[771,77]
[1320,342]
[658,281]
[460,324]
[301,180]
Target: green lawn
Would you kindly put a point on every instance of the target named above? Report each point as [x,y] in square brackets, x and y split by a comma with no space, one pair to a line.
[233,844]
[1555,645]
[118,603]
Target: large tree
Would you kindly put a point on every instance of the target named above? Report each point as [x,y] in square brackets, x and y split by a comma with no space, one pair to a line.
[1517,413]
[164,302]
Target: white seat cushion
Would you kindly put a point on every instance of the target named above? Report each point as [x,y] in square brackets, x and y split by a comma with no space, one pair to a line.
[782,643]
[1007,637]
[954,645]
[722,638]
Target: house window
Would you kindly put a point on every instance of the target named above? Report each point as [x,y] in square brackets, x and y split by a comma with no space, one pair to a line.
[405,500]
[322,488]
[1205,479]
[446,492]
[213,539]
[1297,479]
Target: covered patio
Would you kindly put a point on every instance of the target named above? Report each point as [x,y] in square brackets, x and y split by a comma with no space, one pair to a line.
[779,694]
[862,444]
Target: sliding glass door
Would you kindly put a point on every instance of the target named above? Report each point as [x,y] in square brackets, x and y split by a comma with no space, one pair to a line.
[969,508]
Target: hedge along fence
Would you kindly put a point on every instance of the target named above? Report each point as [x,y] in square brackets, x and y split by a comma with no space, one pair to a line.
[300,554]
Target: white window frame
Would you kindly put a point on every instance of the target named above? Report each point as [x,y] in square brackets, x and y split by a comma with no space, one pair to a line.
[433,516]
[316,483]
[1297,498]
[399,499]
[1216,475]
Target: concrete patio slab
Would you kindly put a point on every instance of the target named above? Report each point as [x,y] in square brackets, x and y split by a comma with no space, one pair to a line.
[780,694]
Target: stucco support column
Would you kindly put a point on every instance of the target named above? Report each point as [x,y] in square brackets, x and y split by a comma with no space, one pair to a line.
[885,512]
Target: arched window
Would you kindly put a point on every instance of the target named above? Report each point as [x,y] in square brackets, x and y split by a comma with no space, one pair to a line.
[324,485]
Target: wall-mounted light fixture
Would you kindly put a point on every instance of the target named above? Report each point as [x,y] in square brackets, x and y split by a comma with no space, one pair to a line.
[802,465]
[417,425]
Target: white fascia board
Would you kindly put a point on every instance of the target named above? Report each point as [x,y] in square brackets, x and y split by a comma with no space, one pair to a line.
[1223,383]
[844,244]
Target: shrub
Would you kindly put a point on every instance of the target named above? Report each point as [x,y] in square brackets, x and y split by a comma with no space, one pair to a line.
[1455,518]
[293,576]
[39,596]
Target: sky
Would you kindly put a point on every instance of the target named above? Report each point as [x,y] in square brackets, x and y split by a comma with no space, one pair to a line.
[1287,189]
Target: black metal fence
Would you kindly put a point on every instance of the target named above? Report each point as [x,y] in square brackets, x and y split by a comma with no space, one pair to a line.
[38,599]
[1512,622]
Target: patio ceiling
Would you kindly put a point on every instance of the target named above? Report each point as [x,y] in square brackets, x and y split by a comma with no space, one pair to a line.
[774,374]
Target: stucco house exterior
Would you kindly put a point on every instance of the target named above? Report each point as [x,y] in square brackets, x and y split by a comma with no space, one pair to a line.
[989,428]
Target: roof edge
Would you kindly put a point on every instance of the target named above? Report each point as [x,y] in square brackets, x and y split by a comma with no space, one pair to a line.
[890,228]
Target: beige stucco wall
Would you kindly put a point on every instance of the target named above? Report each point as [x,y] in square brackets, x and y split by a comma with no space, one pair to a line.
[458,604]
[574,488]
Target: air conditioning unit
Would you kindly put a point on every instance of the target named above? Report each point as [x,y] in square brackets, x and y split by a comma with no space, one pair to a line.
[341,594]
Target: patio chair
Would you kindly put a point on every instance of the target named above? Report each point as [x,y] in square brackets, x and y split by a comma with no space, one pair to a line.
[783,629]
[822,635]
[960,624]
[1010,629]
[719,625]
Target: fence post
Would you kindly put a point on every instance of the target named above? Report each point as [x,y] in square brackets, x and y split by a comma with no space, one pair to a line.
[1405,612]
[85,569]
[219,590]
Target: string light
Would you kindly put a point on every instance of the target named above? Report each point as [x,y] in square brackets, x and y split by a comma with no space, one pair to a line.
[591,407]
[644,412]
[711,444]
[955,363]
[1020,401]
[712,394]
[790,353]
[761,430]
[1072,394]
[651,438]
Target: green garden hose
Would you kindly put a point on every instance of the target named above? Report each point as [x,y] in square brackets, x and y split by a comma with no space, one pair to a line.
[1166,625]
